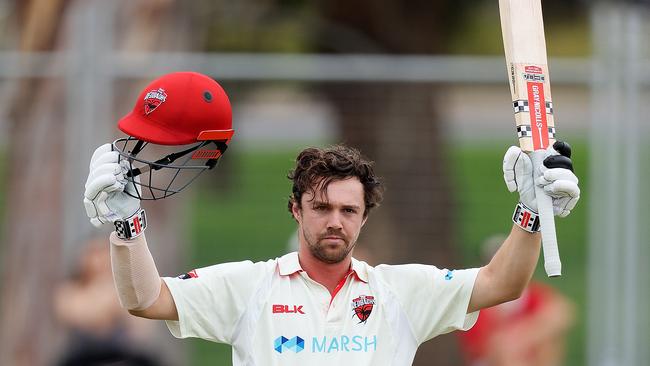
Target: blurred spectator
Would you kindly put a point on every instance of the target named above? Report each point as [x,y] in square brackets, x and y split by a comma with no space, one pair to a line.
[100,331]
[528,331]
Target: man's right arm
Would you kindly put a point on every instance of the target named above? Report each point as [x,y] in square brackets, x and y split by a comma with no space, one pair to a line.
[110,197]
[140,289]
[163,308]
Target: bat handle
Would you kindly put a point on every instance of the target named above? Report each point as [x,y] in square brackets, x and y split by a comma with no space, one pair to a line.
[552,262]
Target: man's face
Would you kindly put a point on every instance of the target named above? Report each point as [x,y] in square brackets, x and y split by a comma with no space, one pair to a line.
[330,222]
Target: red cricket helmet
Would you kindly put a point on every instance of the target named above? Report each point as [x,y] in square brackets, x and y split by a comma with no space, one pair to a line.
[178,109]
[186,118]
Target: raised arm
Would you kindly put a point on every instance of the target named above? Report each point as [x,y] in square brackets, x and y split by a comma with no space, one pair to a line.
[139,286]
[508,273]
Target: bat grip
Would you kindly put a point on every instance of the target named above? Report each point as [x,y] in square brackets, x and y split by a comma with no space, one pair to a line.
[552,263]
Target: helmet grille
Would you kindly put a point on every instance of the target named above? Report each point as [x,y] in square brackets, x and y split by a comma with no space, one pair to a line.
[159,171]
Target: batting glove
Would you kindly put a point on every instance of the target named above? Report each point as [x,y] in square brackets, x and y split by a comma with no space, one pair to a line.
[557,177]
[105,197]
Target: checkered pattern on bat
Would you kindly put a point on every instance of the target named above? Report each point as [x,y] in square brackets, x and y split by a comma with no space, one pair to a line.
[522,106]
[527,131]
[132,226]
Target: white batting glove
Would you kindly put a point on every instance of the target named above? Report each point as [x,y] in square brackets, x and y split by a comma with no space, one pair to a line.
[557,177]
[105,199]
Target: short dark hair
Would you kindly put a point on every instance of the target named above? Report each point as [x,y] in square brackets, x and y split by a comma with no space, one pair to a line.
[318,167]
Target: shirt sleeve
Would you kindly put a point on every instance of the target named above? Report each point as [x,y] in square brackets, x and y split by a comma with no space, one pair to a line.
[435,300]
[211,300]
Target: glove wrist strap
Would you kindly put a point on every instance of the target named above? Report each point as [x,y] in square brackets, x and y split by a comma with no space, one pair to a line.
[526,218]
[132,226]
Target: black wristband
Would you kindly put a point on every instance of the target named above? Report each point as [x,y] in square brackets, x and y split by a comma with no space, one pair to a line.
[131,227]
[526,218]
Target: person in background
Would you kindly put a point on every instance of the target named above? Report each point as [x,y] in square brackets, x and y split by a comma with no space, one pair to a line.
[100,332]
[530,330]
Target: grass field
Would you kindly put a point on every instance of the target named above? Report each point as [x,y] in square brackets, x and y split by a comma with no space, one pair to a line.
[249,220]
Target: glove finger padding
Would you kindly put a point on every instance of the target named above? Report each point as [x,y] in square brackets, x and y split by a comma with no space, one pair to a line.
[562,206]
[111,169]
[103,155]
[105,212]
[515,164]
[518,175]
[549,176]
[91,210]
[563,148]
[101,150]
[562,188]
[558,161]
[98,211]
[102,183]
[558,156]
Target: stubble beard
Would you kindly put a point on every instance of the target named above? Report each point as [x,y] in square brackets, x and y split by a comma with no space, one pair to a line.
[322,251]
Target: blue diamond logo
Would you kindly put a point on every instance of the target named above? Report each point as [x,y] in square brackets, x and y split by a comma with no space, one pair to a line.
[295,344]
[449,275]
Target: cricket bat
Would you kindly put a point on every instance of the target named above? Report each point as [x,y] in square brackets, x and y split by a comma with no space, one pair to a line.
[525,49]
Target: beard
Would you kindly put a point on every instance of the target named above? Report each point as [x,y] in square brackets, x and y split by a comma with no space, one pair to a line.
[327,251]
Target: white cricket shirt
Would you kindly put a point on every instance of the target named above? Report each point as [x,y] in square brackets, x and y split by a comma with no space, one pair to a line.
[272,313]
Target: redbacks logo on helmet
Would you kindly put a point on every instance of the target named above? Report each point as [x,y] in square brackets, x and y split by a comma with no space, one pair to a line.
[153,99]
[186,118]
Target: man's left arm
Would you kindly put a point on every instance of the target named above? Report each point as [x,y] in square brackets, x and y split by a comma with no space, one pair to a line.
[511,268]
[509,271]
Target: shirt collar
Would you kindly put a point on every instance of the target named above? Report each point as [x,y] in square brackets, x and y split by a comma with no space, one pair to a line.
[360,270]
[288,264]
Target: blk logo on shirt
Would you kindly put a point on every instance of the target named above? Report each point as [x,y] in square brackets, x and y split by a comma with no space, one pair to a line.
[287,309]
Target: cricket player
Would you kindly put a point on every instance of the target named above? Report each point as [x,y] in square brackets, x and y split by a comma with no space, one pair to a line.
[319,305]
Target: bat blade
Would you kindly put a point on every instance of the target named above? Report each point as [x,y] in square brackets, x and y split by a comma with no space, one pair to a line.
[524,43]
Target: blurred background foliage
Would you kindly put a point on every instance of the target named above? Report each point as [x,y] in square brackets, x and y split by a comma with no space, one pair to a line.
[466,27]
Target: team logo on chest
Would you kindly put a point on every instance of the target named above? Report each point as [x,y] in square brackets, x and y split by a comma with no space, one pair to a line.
[153,99]
[362,307]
